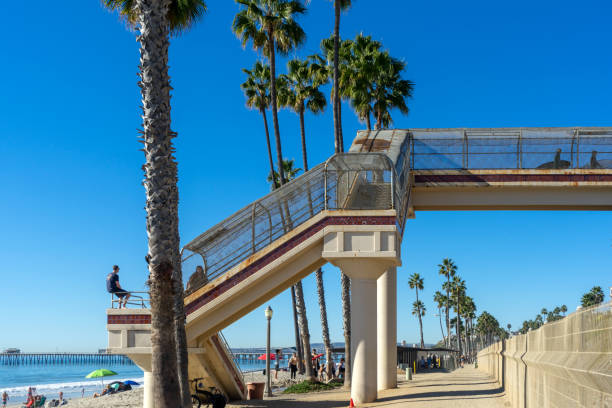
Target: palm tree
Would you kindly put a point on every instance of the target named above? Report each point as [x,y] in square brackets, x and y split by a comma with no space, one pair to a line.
[256,89]
[544,312]
[418,309]
[156,21]
[459,289]
[288,169]
[416,283]
[440,300]
[448,269]
[593,297]
[389,89]
[360,75]
[563,309]
[468,311]
[270,25]
[300,92]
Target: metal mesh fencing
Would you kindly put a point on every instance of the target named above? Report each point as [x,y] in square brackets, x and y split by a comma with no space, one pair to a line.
[349,181]
[545,149]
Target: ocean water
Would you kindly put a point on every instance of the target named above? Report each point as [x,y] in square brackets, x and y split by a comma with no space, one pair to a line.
[49,380]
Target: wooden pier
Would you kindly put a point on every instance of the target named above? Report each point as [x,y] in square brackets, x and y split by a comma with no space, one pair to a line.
[17,359]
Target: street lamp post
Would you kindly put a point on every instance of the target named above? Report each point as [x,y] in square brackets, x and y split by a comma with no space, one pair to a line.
[268,314]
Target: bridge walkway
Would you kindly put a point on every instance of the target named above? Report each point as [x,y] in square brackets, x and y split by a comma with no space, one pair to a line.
[462,388]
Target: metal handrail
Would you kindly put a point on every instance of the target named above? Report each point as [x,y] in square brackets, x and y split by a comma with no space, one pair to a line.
[231,354]
[257,225]
[140,300]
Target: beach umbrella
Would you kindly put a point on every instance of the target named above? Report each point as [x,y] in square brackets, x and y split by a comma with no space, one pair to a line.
[100,373]
[263,357]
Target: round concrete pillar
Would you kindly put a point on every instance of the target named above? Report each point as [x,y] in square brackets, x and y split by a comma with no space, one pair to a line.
[363,340]
[386,287]
[147,400]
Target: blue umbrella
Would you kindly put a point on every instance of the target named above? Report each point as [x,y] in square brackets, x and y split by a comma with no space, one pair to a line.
[130,382]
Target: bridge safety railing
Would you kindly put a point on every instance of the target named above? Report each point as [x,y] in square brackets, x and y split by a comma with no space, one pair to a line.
[347,181]
[138,299]
[232,356]
[512,148]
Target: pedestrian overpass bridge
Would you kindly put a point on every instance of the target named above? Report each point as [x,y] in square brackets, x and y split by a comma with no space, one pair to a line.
[352,211]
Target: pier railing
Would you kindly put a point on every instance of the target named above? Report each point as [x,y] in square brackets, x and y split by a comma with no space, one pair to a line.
[18,359]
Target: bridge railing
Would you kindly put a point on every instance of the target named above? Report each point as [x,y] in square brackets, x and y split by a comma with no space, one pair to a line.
[348,181]
[140,299]
[513,148]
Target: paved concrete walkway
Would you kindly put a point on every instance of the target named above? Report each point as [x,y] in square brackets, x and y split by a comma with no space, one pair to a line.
[463,388]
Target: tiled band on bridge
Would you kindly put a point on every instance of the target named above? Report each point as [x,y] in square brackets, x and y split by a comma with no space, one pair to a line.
[282,249]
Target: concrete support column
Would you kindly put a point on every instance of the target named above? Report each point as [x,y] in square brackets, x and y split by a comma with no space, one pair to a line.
[386,287]
[148,401]
[363,340]
[364,253]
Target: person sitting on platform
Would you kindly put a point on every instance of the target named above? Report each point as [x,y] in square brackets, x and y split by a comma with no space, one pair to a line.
[196,280]
[113,286]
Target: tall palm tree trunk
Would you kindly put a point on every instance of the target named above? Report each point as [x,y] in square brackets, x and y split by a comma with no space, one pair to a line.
[324,325]
[346,324]
[467,337]
[345,280]
[458,321]
[182,357]
[265,119]
[441,329]
[368,122]
[277,138]
[448,326]
[336,91]
[303,136]
[319,272]
[303,321]
[161,200]
[298,341]
[420,320]
[340,137]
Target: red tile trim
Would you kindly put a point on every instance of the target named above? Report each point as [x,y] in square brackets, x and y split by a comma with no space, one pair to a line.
[510,178]
[282,249]
[228,363]
[129,319]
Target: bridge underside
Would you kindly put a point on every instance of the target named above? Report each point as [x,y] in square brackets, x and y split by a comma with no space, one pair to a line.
[511,190]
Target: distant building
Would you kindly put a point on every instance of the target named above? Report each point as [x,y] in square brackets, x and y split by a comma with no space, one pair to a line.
[12,351]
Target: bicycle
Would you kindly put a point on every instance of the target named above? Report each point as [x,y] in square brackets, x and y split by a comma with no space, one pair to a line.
[207,398]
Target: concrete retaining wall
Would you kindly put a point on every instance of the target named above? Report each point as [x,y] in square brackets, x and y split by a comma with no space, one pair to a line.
[567,363]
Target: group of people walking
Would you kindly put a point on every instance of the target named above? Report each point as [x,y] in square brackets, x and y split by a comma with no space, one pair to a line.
[319,367]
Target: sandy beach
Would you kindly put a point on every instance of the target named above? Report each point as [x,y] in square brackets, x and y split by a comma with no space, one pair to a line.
[133,399]
[127,399]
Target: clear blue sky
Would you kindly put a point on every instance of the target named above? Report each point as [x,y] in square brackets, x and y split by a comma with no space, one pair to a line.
[72,202]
